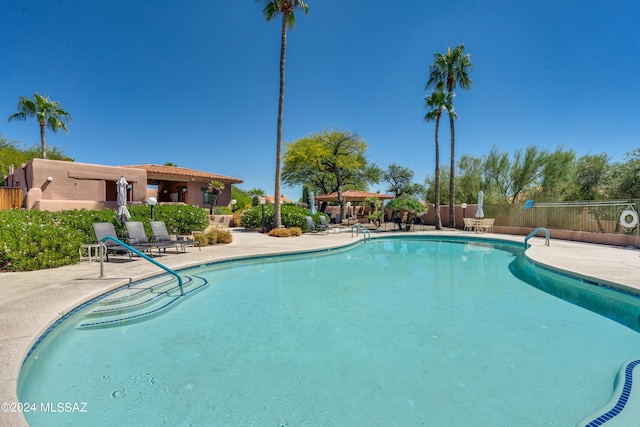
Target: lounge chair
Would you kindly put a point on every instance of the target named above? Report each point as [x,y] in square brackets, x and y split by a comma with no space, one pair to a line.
[326,225]
[160,234]
[137,236]
[106,229]
[313,227]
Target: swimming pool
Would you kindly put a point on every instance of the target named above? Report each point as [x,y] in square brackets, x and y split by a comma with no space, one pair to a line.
[397,331]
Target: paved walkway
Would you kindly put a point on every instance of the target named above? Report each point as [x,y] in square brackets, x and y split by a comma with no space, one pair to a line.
[30,302]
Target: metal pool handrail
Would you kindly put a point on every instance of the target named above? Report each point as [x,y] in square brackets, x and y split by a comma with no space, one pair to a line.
[536,231]
[366,234]
[140,254]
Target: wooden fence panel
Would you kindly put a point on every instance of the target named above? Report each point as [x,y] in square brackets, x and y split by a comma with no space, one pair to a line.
[11,198]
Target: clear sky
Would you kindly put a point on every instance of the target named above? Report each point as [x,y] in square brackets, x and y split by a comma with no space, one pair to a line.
[196,82]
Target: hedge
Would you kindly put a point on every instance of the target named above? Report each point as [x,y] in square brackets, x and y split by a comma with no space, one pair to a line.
[291,216]
[35,240]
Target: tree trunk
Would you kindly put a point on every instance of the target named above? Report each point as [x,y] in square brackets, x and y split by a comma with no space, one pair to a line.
[214,199]
[43,141]
[437,183]
[339,190]
[452,200]
[277,221]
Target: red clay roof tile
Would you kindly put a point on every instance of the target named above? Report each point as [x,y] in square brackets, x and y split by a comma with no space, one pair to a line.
[155,171]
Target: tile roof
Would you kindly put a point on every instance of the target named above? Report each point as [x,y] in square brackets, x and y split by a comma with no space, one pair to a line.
[283,199]
[353,195]
[160,171]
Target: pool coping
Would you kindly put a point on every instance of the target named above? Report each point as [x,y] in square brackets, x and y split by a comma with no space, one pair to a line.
[28,310]
[613,412]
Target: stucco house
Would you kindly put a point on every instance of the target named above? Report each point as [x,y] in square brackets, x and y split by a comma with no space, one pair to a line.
[55,185]
[283,199]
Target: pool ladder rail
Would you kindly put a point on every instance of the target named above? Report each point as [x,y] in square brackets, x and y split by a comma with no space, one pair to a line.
[547,236]
[139,300]
[141,255]
[359,228]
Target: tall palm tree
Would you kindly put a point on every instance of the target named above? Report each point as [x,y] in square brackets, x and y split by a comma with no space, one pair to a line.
[448,71]
[272,9]
[48,113]
[438,101]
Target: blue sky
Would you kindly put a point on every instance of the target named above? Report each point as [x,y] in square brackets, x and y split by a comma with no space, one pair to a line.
[196,82]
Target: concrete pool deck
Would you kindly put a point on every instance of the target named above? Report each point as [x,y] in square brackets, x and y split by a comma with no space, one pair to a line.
[31,301]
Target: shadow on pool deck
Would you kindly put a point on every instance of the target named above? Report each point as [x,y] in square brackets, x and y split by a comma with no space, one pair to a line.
[31,301]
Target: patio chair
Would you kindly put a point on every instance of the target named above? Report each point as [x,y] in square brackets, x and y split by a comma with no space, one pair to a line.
[326,225]
[106,229]
[160,234]
[487,224]
[469,224]
[138,237]
[312,227]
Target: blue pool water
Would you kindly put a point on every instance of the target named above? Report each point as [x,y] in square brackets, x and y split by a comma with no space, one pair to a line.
[394,332]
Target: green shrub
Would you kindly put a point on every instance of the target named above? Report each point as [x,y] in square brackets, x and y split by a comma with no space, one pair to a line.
[35,240]
[291,215]
[406,208]
[407,203]
[222,210]
[82,220]
[375,216]
[179,219]
[243,201]
[252,217]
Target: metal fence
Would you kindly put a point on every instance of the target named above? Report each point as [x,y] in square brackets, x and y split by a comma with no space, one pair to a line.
[592,216]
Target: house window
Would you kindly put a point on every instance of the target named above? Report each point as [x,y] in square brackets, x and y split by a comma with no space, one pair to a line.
[207,196]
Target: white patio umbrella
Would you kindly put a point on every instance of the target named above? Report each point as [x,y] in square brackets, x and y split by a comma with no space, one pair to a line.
[122,213]
[479,212]
[312,202]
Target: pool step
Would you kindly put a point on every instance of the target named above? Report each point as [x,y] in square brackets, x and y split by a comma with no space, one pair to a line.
[141,291]
[139,301]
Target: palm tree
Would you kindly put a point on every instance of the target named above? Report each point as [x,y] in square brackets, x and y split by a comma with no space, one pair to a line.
[272,9]
[215,188]
[256,192]
[447,71]
[47,112]
[438,101]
